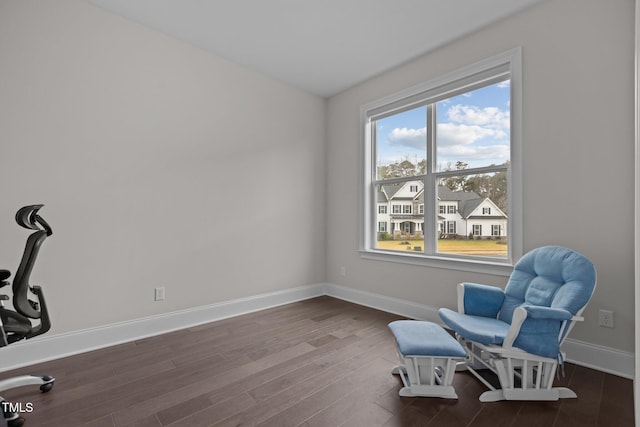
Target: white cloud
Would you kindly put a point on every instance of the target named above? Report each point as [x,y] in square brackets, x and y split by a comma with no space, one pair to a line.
[491,117]
[471,133]
[450,134]
[474,134]
[495,153]
[413,138]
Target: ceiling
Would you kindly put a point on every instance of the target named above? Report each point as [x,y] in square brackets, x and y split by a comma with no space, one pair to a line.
[323,47]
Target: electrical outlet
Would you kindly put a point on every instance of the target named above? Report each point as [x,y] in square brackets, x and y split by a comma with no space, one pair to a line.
[606,318]
[159,294]
[343,271]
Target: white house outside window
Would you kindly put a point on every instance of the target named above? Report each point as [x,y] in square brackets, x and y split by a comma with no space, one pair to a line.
[451,146]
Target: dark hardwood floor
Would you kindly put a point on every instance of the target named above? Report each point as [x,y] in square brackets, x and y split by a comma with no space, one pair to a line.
[320,362]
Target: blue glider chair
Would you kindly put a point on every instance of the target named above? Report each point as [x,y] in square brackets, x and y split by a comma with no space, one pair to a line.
[517,333]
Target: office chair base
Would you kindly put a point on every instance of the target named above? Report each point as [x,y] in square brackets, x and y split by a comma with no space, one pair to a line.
[9,418]
[44,381]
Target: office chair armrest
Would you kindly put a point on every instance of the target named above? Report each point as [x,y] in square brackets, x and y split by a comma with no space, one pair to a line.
[479,300]
[45,323]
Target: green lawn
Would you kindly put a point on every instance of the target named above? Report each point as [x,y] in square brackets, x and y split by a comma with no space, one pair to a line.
[462,247]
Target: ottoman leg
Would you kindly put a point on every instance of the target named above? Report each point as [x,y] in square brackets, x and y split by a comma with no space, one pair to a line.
[426,376]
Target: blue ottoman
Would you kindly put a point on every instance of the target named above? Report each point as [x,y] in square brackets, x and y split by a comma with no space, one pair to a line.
[428,357]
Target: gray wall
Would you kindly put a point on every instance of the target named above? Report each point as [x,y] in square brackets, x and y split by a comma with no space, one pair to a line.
[158,164]
[578,155]
[161,165]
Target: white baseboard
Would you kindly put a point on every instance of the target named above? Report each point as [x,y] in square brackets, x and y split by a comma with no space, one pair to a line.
[397,306]
[605,359]
[49,347]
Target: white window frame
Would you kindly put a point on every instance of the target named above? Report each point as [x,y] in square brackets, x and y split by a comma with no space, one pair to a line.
[453,81]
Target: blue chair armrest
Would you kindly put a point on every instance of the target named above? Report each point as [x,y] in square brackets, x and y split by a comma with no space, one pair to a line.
[550,313]
[480,300]
[536,330]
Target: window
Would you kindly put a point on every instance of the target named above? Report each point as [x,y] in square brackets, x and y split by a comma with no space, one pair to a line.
[448,144]
[382,226]
[382,209]
[451,227]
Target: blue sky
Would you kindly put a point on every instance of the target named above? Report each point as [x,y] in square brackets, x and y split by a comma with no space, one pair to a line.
[472,127]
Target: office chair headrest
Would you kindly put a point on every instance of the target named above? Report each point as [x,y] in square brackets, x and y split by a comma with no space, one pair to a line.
[28,217]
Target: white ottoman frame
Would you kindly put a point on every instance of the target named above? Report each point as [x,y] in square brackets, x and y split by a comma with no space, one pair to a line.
[427,376]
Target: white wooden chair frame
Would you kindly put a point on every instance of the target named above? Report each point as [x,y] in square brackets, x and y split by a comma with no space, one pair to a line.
[536,373]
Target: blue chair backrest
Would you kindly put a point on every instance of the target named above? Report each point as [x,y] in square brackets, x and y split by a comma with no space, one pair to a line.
[550,276]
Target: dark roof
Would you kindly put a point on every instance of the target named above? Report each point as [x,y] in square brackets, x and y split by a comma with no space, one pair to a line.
[444,193]
[468,201]
[390,190]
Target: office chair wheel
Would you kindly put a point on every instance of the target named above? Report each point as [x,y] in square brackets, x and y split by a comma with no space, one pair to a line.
[11,419]
[46,387]
[18,422]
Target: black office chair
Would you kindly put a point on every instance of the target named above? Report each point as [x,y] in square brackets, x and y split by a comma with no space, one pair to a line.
[15,325]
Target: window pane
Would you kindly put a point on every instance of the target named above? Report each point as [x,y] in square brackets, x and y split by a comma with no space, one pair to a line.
[473,214]
[473,129]
[400,144]
[400,217]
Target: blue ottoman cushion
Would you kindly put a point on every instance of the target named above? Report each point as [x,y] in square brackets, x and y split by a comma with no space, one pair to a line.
[418,338]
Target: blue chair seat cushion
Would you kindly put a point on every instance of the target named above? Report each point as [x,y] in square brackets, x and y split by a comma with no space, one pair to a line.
[484,330]
[419,338]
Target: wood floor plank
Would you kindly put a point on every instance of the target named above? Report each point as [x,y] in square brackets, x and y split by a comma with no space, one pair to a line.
[314,363]
[223,387]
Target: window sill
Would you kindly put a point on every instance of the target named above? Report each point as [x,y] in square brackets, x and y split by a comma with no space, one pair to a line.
[463,264]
